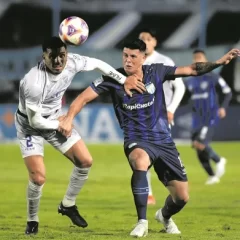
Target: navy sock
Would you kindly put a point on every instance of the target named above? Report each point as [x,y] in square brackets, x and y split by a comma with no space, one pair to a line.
[170,208]
[212,154]
[203,156]
[140,192]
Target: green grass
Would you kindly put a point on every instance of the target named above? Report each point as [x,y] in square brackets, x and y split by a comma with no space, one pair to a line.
[106,201]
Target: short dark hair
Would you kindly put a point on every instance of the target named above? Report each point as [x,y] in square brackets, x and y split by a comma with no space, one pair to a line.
[135,44]
[199,51]
[53,43]
[151,31]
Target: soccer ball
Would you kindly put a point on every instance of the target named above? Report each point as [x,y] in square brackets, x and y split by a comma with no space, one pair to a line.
[73,30]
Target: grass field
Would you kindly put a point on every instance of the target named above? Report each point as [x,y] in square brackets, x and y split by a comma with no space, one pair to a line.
[106,201]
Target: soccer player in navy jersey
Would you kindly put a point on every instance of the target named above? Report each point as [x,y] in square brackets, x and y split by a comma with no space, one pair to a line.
[173,90]
[147,137]
[206,112]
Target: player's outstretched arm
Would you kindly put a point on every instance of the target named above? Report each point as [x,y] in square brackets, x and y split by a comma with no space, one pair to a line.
[130,82]
[200,68]
[65,126]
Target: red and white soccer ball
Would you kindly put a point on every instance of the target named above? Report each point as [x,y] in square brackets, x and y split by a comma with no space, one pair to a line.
[73,30]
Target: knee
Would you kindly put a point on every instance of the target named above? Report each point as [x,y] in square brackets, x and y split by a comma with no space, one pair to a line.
[198,146]
[38,178]
[181,199]
[139,160]
[83,163]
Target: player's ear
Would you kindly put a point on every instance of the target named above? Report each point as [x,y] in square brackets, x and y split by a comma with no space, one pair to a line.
[155,42]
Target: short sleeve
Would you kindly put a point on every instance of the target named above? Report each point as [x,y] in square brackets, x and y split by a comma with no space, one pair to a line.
[81,62]
[166,72]
[101,85]
[223,85]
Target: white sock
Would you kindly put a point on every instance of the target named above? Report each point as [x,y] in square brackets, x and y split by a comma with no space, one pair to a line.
[77,180]
[150,193]
[34,193]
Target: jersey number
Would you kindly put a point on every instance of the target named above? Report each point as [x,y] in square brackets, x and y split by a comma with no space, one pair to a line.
[29,141]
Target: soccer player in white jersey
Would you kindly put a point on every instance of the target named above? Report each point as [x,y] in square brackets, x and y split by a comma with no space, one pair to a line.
[37,118]
[173,90]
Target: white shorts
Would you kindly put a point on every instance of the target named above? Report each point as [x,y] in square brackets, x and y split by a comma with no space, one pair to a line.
[31,140]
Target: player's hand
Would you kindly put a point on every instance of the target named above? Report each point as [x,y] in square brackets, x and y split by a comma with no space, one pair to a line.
[133,82]
[229,56]
[61,118]
[170,117]
[221,112]
[65,127]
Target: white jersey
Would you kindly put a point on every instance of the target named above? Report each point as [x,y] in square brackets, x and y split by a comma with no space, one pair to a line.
[169,87]
[44,90]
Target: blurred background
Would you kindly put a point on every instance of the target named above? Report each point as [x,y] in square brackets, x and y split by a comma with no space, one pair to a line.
[182,26]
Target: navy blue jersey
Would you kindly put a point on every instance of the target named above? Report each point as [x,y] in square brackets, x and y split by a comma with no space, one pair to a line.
[204,98]
[142,116]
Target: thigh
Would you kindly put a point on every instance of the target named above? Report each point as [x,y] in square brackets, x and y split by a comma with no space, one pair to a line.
[169,166]
[60,142]
[139,159]
[30,145]
[79,154]
[147,151]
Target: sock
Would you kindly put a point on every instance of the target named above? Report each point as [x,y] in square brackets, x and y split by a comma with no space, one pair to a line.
[150,193]
[34,193]
[170,208]
[140,192]
[212,154]
[78,177]
[204,159]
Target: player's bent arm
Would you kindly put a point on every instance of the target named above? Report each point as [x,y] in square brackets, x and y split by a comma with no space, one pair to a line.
[82,99]
[179,90]
[105,68]
[200,68]
[37,121]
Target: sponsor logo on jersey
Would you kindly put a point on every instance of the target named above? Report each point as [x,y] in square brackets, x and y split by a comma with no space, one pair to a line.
[138,105]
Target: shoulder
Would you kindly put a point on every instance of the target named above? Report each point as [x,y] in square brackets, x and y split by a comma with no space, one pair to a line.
[32,81]
[35,73]
[73,58]
[164,59]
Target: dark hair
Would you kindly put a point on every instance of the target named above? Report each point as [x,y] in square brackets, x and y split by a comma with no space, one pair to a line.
[53,43]
[151,31]
[199,51]
[135,44]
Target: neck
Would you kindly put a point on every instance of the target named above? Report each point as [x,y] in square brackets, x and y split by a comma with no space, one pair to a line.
[138,73]
[149,54]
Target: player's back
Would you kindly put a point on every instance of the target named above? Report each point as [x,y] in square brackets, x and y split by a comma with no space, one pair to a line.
[142,116]
[204,99]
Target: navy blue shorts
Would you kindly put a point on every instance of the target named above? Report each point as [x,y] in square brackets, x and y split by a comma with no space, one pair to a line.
[203,135]
[164,158]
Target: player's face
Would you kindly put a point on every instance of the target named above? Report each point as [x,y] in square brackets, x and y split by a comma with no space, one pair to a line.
[199,57]
[149,40]
[133,60]
[55,59]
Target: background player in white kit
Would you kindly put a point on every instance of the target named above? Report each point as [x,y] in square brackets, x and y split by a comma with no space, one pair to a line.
[40,95]
[173,90]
